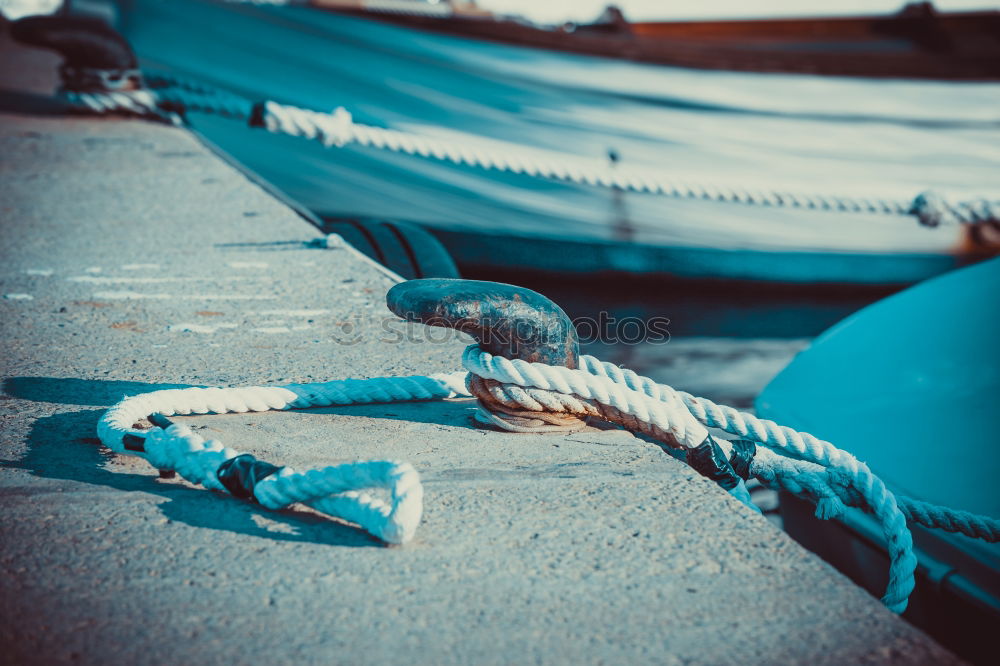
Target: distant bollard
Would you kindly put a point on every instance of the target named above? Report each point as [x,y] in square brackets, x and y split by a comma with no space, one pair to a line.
[95,57]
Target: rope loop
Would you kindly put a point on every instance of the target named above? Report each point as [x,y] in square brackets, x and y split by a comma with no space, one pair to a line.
[341,490]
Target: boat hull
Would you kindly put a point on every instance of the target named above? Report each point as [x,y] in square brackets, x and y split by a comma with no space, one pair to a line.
[917,42]
[754,131]
[598,260]
[908,385]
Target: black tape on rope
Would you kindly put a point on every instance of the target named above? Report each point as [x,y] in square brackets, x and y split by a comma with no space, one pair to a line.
[134,443]
[240,474]
[708,460]
[159,420]
[742,456]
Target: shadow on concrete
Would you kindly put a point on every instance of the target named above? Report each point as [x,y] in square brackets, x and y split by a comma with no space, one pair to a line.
[15,101]
[102,393]
[264,245]
[63,446]
[453,413]
[74,391]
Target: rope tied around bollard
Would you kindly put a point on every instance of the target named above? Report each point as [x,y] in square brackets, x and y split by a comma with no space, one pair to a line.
[545,379]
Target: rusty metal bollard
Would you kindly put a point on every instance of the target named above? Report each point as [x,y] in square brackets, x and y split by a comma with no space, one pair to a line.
[506,320]
[518,323]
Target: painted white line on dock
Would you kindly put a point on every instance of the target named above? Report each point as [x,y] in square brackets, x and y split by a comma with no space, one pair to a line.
[199,328]
[19,297]
[273,329]
[291,313]
[128,295]
[40,272]
[229,297]
[134,295]
[141,267]
[95,279]
[93,269]
[248,264]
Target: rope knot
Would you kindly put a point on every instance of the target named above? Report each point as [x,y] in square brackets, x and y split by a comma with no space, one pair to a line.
[499,407]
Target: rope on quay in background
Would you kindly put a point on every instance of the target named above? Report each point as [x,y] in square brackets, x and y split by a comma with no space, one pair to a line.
[169,96]
[508,390]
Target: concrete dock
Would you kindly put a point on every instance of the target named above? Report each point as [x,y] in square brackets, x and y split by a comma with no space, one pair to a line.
[136,259]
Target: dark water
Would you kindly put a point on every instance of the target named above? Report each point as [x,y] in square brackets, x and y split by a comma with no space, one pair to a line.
[725,341]
[696,307]
[721,339]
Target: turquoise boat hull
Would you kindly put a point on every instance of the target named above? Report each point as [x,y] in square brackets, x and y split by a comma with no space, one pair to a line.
[910,385]
[854,137]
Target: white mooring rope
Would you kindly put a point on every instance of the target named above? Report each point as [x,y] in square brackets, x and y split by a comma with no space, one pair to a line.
[171,94]
[785,459]
[337,490]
